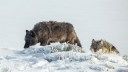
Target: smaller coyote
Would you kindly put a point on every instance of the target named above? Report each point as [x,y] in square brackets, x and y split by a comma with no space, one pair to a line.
[105,46]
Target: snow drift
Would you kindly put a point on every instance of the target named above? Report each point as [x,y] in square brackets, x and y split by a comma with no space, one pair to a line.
[60,58]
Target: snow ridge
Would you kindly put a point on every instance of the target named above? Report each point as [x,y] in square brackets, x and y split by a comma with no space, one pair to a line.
[59,58]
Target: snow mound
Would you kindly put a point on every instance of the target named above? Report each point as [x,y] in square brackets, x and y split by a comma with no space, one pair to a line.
[60,58]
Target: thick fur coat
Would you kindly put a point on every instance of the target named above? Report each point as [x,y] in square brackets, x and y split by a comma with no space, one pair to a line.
[51,31]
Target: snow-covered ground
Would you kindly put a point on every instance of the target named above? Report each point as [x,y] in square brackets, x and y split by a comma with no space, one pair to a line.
[59,58]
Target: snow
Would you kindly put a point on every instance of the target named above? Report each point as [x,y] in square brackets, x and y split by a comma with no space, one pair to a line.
[60,58]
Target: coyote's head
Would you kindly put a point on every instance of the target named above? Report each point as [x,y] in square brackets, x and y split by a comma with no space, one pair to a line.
[96,45]
[30,38]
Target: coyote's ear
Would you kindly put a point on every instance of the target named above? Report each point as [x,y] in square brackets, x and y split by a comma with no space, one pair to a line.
[102,42]
[27,31]
[93,41]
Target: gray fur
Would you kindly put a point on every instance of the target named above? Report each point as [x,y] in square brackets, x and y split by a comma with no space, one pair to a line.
[105,46]
[51,31]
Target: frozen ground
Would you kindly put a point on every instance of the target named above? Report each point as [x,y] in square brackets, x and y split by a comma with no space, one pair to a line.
[59,58]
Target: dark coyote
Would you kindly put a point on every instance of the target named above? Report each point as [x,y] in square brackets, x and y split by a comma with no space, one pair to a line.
[105,46]
[47,32]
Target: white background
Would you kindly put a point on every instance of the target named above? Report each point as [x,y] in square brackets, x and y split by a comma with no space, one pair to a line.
[98,19]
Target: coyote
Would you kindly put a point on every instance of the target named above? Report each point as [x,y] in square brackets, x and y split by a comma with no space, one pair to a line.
[47,32]
[103,45]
